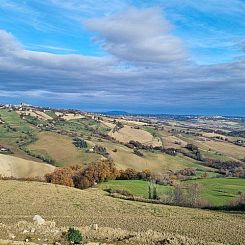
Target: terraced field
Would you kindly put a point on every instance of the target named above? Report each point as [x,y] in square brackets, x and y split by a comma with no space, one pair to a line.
[72,207]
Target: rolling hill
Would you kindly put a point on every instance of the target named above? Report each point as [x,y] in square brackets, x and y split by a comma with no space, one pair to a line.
[11,166]
[118,220]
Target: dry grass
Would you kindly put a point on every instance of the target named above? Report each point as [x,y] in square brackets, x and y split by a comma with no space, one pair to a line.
[234,152]
[72,207]
[108,124]
[131,122]
[169,141]
[21,168]
[128,133]
[58,147]
[71,116]
[125,158]
[38,114]
[228,149]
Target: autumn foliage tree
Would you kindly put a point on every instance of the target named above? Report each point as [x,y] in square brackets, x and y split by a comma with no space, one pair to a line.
[83,177]
[101,171]
[61,176]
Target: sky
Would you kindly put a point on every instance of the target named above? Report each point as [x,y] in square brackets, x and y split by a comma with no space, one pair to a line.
[158,56]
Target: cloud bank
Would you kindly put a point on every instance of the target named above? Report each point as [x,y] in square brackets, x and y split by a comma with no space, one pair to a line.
[145,68]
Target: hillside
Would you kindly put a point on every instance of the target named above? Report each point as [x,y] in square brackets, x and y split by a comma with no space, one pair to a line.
[37,134]
[72,207]
[11,166]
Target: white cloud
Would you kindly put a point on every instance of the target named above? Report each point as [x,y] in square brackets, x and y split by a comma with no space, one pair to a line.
[149,70]
[138,35]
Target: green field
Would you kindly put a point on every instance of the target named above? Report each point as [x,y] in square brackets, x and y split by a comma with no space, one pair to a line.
[15,132]
[51,114]
[135,187]
[154,132]
[12,119]
[215,155]
[83,126]
[217,191]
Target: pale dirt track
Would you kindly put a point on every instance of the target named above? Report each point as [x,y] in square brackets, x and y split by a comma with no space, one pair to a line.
[11,166]
[72,207]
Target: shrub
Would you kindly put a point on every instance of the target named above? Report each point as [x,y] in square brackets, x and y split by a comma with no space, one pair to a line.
[128,174]
[95,173]
[188,196]
[171,151]
[74,236]
[239,201]
[121,192]
[80,143]
[191,147]
[152,190]
[61,176]
[138,153]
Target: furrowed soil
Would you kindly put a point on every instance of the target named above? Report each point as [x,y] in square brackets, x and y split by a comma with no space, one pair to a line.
[72,207]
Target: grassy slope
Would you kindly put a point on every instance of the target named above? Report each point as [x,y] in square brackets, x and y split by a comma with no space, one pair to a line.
[65,153]
[125,158]
[11,166]
[14,120]
[61,149]
[218,191]
[135,187]
[228,151]
[51,114]
[73,207]
[128,133]
[9,138]
[83,126]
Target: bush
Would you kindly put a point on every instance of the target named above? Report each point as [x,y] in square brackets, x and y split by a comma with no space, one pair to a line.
[74,236]
[138,153]
[80,143]
[239,201]
[61,176]
[100,171]
[121,192]
[188,196]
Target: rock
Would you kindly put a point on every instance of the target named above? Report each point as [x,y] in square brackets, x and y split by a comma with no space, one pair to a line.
[38,220]
[33,230]
[25,231]
[11,236]
[95,227]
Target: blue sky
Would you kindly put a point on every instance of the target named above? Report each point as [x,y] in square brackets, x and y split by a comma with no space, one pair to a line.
[160,56]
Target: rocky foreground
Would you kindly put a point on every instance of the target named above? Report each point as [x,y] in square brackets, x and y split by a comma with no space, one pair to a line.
[104,219]
[45,232]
